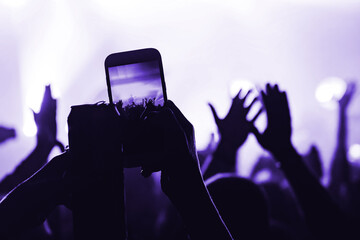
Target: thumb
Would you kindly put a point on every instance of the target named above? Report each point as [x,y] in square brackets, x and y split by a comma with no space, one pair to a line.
[216,117]
[36,115]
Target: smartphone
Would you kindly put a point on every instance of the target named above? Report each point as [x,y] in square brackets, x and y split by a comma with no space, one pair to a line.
[135,77]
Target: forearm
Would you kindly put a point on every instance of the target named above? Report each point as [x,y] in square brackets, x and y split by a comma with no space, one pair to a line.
[198,212]
[202,219]
[340,166]
[223,160]
[321,214]
[37,158]
[342,128]
[28,205]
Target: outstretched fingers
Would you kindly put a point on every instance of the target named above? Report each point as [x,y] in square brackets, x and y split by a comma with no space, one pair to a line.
[276,88]
[216,117]
[246,95]
[247,109]
[257,115]
[237,95]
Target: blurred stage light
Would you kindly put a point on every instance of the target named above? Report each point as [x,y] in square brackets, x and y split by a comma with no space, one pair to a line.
[66,128]
[29,128]
[263,176]
[34,97]
[330,90]
[354,152]
[243,84]
[33,101]
[13,3]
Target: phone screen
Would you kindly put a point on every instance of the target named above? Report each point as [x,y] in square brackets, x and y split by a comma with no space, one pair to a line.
[136,83]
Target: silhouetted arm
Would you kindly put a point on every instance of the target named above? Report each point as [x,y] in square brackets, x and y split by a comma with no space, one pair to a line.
[29,203]
[340,169]
[197,210]
[233,129]
[181,179]
[322,216]
[45,141]
[6,133]
[36,159]
[223,160]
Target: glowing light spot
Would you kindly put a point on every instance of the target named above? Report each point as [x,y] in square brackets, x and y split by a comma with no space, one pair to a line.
[34,97]
[330,89]
[13,3]
[263,176]
[29,128]
[354,152]
[66,128]
[243,84]
[55,91]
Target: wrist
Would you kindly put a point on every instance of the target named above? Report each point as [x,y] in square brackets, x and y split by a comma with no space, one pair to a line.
[193,203]
[226,151]
[228,145]
[44,147]
[342,110]
[284,152]
[201,217]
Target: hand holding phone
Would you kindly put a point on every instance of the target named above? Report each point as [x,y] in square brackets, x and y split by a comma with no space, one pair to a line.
[136,86]
[135,80]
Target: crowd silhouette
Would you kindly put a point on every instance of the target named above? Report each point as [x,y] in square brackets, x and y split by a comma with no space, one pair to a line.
[89,191]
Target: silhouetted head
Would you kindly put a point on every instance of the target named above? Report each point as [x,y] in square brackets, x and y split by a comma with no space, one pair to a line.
[241,205]
[313,161]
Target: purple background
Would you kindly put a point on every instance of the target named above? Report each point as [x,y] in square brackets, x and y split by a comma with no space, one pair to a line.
[205,46]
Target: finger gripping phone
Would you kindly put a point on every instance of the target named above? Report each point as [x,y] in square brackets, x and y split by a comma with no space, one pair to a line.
[136,86]
[135,78]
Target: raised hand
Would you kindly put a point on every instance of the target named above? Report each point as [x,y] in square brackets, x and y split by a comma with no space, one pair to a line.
[346,98]
[323,217]
[46,120]
[181,179]
[340,169]
[276,137]
[234,128]
[46,140]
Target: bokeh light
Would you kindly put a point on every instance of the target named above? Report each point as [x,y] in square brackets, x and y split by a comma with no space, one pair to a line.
[262,176]
[29,128]
[13,3]
[210,49]
[330,90]
[244,84]
[354,152]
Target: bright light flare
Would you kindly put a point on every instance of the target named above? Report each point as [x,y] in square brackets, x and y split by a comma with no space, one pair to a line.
[263,176]
[354,152]
[13,3]
[29,128]
[330,90]
[243,84]
[34,99]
